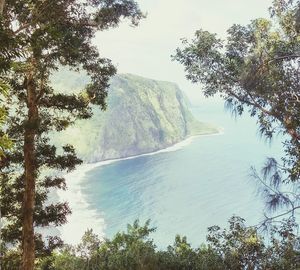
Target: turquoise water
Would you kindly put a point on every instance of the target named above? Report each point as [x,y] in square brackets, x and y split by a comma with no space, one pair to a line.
[185,191]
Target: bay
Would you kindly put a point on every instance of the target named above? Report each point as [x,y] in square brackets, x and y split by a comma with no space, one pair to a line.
[183,192]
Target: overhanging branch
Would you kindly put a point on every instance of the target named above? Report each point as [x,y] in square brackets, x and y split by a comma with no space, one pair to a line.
[284,57]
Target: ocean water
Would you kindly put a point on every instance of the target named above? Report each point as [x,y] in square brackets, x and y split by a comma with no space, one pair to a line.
[183,190]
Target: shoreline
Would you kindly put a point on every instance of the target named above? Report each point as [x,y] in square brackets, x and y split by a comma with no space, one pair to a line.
[178,145]
[83,217]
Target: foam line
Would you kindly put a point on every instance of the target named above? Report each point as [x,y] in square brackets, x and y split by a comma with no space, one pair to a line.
[83,217]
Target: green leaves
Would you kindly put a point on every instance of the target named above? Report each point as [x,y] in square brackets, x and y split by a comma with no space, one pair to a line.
[255,69]
[235,247]
[112,11]
[4,88]
[37,37]
[5,142]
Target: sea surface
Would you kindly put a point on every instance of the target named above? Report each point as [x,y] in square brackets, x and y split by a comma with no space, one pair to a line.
[198,183]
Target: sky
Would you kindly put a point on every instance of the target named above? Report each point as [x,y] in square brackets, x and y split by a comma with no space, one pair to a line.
[146,50]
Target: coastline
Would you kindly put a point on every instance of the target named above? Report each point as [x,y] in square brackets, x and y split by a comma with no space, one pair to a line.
[83,217]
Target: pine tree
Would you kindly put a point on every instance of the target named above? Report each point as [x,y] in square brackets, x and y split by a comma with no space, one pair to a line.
[37,37]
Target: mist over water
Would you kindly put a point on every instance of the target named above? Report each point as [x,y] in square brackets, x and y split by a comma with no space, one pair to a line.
[183,192]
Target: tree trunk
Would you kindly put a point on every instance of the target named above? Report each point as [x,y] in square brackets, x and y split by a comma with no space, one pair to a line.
[28,245]
[2,2]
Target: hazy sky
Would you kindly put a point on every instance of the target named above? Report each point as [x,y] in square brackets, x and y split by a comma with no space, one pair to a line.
[146,50]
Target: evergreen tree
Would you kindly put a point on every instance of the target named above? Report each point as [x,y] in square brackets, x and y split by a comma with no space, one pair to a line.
[37,37]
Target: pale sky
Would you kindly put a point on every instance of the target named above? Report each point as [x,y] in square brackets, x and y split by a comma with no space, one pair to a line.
[146,49]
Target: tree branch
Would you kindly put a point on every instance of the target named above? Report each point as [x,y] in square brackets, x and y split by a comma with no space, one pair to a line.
[292,56]
[251,103]
[39,14]
[291,131]
[283,214]
[23,27]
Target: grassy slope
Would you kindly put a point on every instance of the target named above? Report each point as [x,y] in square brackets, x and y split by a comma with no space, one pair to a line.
[143,115]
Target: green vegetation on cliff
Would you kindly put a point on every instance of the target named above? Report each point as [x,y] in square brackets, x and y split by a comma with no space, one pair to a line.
[142,116]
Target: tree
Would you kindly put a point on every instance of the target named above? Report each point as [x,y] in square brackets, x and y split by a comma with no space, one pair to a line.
[257,69]
[242,247]
[37,37]
[234,248]
[4,88]
[127,250]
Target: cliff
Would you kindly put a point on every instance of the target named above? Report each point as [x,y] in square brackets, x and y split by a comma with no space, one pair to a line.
[143,115]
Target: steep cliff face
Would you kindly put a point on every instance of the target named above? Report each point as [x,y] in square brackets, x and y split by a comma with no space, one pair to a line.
[143,115]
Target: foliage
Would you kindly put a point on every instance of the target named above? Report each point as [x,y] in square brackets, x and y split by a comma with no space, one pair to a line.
[37,37]
[235,248]
[5,142]
[257,69]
